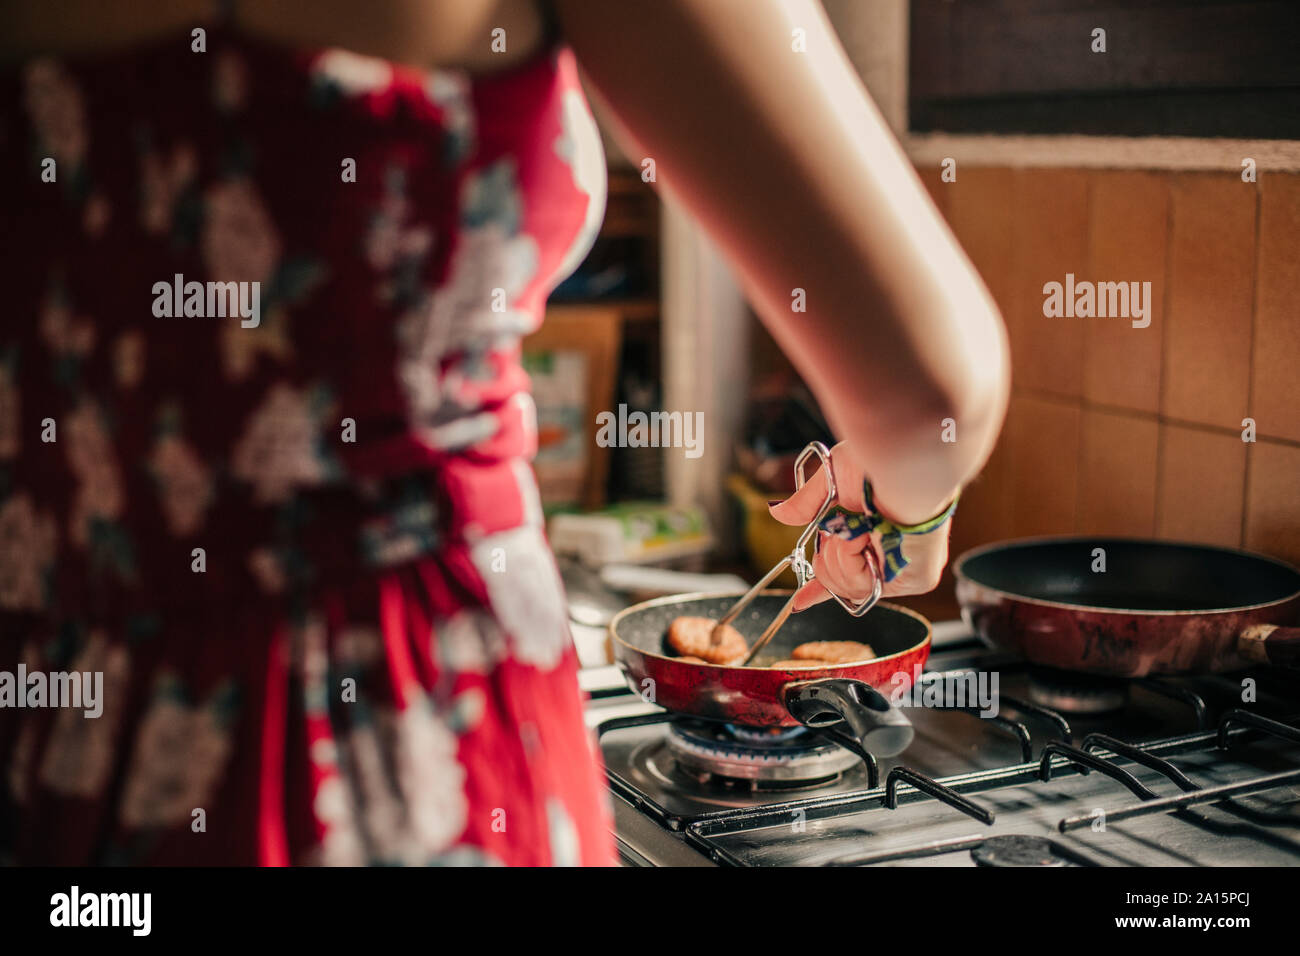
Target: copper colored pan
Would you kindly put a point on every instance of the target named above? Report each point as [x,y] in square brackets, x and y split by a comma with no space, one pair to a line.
[1158,607]
[855,694]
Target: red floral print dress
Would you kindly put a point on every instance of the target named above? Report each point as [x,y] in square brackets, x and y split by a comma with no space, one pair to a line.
[307,557]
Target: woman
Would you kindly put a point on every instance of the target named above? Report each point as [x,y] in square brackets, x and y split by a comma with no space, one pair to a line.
[264,433]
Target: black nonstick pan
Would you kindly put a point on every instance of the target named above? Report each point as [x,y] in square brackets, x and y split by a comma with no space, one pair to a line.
[1129,607]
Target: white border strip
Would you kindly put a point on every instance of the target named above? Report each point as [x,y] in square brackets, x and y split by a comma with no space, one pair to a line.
[1119,152]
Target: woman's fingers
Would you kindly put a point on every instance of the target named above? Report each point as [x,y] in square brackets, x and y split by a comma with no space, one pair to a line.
[830,566]
[802,506]
[848,479]
[811,593]
[854,573]
[840,568]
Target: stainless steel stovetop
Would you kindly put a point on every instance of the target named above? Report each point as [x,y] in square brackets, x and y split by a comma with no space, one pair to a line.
[1182,772]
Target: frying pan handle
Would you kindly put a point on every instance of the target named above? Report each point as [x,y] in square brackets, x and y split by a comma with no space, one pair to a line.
[1270,644]
[880,727]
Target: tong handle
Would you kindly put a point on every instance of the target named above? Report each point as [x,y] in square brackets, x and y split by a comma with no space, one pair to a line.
[797,560]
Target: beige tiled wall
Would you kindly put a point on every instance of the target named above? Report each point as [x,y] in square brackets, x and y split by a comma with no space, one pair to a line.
[1116,430]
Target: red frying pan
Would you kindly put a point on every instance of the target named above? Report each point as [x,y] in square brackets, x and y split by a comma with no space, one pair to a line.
[1129,607]
[763,697]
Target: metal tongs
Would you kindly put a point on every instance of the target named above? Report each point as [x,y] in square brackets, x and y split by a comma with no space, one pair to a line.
[798,560]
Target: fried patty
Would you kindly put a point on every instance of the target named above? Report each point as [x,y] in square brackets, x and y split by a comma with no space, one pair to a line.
[833,652]
[693,637]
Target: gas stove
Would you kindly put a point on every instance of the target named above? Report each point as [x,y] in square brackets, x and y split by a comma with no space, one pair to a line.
[1186,771]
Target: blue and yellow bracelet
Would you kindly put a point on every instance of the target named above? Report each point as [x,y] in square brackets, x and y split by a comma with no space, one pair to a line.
[849,525]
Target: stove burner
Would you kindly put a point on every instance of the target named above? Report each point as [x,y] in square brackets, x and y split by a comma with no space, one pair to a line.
[1016,850]
[765,735]
[783,755]
[1076,693]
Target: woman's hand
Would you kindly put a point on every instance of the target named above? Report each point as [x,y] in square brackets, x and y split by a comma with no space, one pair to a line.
[841,566]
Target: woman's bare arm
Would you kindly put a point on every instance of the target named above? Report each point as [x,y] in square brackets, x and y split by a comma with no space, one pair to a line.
[787,163]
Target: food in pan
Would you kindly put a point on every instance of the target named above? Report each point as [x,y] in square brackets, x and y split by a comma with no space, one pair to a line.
[693,637]
[833,652]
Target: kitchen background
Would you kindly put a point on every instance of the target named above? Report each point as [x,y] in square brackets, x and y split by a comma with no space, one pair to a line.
[1107,165]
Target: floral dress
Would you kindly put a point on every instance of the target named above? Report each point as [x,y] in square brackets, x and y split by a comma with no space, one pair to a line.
[305,554]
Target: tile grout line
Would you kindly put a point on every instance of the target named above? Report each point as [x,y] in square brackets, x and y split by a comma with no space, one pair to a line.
[1080,444]
[1166,308]
[1250,366]
[1014,332]
[1139,414]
